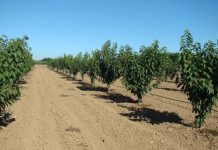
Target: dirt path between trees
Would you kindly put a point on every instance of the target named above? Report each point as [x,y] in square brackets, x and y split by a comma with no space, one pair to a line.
[56,113]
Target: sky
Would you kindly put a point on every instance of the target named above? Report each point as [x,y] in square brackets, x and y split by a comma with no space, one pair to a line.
[58,27]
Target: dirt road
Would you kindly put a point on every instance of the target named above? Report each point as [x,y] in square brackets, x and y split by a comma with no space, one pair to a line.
[57,114]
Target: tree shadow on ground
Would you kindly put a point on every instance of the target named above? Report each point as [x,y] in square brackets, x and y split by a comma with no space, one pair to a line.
[5,119]
[115,98]
[152,116]
[88,87]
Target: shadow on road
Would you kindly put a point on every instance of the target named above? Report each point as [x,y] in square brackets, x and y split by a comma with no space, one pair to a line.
[5,119]
[152,116]
[115,98]
[88,87]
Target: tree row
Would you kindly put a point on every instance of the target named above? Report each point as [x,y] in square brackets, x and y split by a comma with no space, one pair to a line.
[195,69]
[15,62]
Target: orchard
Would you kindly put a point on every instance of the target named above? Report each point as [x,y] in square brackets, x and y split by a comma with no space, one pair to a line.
[194,68]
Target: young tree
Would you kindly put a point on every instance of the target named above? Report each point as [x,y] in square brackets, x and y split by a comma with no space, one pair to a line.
[93,66]
[140,69]
[172,64]
[108,63]
[84,64]
[68,62]
[15,62]
[155,62]
[198,76]
[75,66]
[132,72]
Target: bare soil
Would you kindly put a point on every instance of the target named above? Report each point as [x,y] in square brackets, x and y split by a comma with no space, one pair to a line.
[58,113]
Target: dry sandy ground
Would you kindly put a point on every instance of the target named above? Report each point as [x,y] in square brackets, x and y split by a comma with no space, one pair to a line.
[57,113]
